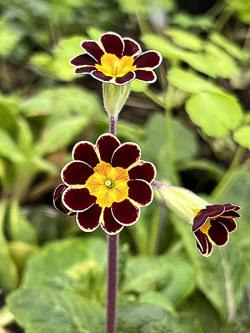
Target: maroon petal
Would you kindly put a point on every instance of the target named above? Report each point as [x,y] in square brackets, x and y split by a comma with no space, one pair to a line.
[83,60]
[77,200]
[93,49]
[100,76]
[57,200]
[107,144]
[203,243]
[125,212]
[85,151]
[109,224]
[125,155]
[230,224]
[145,76]
[148,59]
[84,70]
[231,207]
[89,219]
[218,233]
[131,47]
[140,191]
[125,79]
[230,213]
[145,171]
[76,173]
[210,211]
[112,43]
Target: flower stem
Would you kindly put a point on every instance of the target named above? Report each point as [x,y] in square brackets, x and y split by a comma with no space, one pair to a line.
[113,253]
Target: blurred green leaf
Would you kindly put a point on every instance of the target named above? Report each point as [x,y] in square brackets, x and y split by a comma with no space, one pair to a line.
[42,63]
[74,264]
[8,271]
[242,136]
[191,82]
[59,102]
[9,149]
[146,318]
[157,298]
[9,37]
[60,134]
[8,110]
[66,49]
[48,309]
[185,39]
[232,48]
[216,114]
[25,137]
[241,8]
[19,227]
[20,253]
[138,86]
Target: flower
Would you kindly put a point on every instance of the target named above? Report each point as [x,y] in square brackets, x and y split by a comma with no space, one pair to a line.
[116,60]
[212,225]
[106,184]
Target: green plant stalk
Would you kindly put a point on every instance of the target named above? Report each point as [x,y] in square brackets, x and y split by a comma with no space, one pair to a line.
[113,254]
[229,177]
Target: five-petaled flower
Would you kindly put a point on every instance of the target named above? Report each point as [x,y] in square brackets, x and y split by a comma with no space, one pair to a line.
[116,60]
[213,224]
[106,184]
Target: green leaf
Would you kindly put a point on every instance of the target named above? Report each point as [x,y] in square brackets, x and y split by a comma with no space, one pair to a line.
[19,227]
[62,101]
[66,49]
[25,137]
[8,111]
[242,136]
[77,265]
[51,309]
[165,47]
[8,271]
[60,134]
[157,298]
[138,86]
[232,48]
[146,318]
[191,82]
[216,114]
[185,39]
[9,149]
[9,37]
[42,63]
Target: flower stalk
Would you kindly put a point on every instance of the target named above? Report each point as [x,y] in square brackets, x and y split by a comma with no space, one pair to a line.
[113,255]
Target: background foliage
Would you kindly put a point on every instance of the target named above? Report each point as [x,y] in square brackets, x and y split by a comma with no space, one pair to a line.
[52,275]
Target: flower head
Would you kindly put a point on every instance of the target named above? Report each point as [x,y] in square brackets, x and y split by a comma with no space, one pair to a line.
[116,60]
[212,225]
[106,184]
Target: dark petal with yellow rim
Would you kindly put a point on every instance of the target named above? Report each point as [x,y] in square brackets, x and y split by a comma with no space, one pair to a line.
[93,49]
[112,43]
[125,212]
[57,200]
[148,59]
[107,144]
[126,155]
[140,191]
[76,173]
[100,76]
[131,47]
[145,171]
[218,233]
[83,60]
[210,211]
[85,151]
[77,200]
[145,76]
[110,225]
[230,224]
[89,219]
[126,78]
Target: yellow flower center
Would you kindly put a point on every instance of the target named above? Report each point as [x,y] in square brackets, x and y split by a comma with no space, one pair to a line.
[113,66]
[204,229]
[108,184]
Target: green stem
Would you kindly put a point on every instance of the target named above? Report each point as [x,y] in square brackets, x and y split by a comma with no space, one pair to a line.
[228,179]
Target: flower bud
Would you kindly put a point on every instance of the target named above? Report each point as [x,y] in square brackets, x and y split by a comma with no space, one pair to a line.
[114,97]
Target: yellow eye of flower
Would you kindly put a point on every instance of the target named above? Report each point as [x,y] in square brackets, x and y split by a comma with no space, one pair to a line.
[108,184]
[113,66]
[204,229]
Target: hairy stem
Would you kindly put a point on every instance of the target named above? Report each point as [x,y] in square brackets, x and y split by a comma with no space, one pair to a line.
[113,253]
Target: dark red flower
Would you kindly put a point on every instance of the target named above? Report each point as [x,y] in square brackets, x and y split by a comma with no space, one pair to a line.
[212,225]
[116,60]
[106,184]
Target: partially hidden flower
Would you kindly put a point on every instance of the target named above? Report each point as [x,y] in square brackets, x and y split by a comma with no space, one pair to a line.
[116,60]
[106,184]
[212,225]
